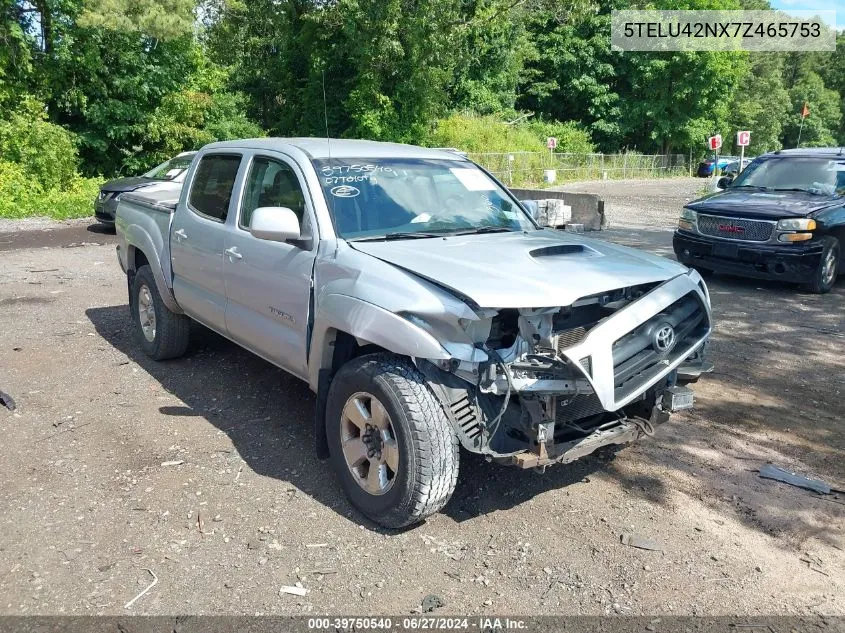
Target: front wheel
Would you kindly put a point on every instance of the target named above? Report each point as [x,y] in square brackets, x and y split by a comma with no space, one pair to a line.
[390,442]
[824,277]
[162,333]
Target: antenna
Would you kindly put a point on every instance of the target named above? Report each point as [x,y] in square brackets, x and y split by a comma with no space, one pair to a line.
[326,115]
[329,197]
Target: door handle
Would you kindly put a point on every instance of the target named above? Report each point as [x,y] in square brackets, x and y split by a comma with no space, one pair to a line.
[180,234]
[233,253]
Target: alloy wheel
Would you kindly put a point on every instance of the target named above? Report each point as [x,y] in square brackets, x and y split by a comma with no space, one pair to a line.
[369,443]
[147,313]
[829,266]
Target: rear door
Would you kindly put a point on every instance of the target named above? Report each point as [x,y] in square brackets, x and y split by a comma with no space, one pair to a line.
[197,239]
[268,284]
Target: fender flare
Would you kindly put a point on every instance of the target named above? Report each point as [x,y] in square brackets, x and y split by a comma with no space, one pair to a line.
[370,324]
[137,239]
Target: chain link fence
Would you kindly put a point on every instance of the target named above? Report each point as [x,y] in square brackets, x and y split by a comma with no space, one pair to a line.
[529,168]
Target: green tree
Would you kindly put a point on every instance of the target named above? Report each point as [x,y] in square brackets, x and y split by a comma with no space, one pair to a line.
[674,100]
[157,19]
[15,54]
[761,103]
[821,126]
[200,113]
[572,75]
[494,44]
[832,70]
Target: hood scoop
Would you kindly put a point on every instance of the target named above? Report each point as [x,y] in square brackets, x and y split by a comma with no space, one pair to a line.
[561,249]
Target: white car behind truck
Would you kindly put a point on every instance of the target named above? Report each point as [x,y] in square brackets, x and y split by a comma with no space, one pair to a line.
[422,304]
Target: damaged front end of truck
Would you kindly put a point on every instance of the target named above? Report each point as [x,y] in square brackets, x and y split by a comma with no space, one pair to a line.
[551,385]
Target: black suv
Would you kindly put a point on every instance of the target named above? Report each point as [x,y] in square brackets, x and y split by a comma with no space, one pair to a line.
[783,218]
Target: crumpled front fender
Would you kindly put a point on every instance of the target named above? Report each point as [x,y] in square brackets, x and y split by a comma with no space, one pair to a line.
[370,324]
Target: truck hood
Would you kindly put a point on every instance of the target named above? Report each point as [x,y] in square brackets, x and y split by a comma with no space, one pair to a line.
[120,185]
[770,205]
[164,193]
[523,270]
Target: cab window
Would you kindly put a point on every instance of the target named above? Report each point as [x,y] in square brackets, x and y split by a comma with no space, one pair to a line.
[211,189]
[271,183]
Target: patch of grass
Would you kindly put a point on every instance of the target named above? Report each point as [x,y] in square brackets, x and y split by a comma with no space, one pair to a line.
[21,196]
[489,134]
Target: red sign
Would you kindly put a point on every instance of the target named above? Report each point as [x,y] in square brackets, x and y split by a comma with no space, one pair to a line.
[714,142]
[743,139]
[551,142]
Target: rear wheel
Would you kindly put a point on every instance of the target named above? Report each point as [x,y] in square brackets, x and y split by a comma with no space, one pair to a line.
[390,442]
[161,333]
[824,277]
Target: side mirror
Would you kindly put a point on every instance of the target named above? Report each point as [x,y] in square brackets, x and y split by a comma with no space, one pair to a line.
[274,224]
[725,182]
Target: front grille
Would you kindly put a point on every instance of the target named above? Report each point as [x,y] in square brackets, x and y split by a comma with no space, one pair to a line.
[638,357]
[581,406]
[568,338]
[735,228]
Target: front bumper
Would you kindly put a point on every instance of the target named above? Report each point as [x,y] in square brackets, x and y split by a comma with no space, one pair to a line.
[790,262]
[615,432]
[104,210]
[594,356]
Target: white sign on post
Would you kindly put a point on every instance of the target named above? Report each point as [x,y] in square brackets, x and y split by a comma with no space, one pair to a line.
[551,142]
[743,139]
[714,142]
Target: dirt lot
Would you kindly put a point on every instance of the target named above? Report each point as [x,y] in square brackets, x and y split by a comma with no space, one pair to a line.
[93,497]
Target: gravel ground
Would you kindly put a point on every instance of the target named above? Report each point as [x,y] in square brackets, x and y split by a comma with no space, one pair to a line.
[202,470]
[642,203]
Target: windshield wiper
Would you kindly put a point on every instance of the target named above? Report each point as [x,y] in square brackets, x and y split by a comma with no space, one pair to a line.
[810,191]
[399,235]
[748,187]
[487,229]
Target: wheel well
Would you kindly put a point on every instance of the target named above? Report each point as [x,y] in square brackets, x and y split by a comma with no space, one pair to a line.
[347,347]
[140,259]
[839,233]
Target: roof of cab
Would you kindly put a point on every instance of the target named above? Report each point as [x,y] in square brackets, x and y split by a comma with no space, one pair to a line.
[808,152]
[339,148]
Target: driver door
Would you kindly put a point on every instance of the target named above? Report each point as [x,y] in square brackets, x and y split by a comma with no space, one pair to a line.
[268,284]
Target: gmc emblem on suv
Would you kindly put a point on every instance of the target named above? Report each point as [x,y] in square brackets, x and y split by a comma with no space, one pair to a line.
[731,228]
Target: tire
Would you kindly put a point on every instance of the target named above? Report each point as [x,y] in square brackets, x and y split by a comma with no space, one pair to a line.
[416,434]
[169,333]
[824,277]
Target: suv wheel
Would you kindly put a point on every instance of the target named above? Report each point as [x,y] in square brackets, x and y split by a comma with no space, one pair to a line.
[825,275]
[390,442]
[162,334]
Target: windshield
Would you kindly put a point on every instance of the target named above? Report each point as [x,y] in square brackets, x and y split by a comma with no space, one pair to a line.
[174,169]
[406,198]
[820,176]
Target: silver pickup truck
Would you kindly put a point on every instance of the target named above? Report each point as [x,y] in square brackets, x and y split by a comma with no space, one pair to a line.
[422,304]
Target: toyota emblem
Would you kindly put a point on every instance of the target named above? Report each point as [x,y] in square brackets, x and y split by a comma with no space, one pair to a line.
[664,338]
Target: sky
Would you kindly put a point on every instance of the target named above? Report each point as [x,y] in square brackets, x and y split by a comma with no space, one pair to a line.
[814,5]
